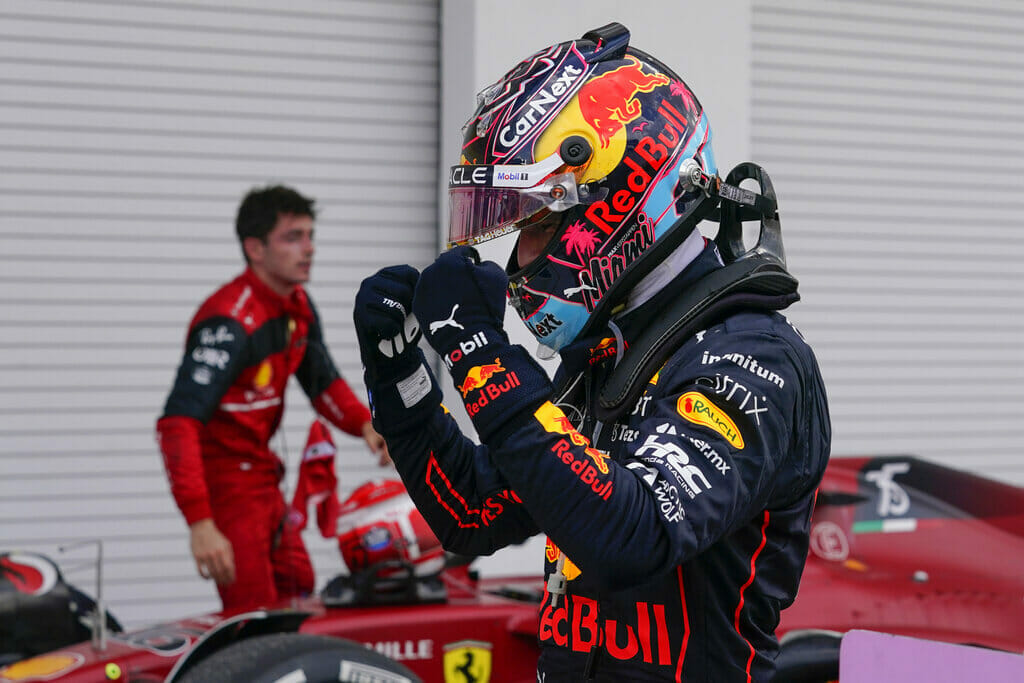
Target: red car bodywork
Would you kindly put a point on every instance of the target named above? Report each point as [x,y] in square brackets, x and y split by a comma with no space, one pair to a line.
[945,563]
[898,545]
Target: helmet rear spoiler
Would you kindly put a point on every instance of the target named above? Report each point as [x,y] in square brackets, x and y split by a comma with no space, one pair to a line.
[611,41]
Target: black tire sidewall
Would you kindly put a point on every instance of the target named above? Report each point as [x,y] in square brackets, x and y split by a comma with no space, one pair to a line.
[327,666]
[268,658]
[810,659]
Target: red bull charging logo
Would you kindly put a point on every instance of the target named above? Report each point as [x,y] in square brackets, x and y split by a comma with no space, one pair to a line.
[479,379]
[478,376]
[606,348]
[608,102]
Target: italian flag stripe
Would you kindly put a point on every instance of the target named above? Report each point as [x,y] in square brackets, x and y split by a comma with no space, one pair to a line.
[885,526]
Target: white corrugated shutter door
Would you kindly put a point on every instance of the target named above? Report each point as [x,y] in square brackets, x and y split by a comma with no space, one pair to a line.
[129,131]
[893,131]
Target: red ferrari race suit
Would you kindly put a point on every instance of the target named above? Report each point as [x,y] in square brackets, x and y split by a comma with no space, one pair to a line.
[677,531]
[226,403]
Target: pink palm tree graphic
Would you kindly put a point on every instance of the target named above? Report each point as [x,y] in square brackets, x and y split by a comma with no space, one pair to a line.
[580,240]
[677,88]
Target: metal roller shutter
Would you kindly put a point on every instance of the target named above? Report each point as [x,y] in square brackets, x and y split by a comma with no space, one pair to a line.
[129,131]
[893,132]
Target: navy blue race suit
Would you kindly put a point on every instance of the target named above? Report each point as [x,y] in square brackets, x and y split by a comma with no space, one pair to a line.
[680,529]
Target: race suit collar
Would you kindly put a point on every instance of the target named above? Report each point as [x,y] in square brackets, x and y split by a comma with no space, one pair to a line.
[595,349]
[662,274]
[295,304]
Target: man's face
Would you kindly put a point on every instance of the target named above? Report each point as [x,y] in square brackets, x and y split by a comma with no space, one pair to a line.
[534,238]
[286,258]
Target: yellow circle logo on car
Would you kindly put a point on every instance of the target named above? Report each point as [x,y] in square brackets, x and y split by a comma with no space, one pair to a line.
[41,667]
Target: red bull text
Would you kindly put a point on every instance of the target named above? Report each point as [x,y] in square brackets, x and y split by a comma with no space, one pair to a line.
[591,469]
[605,349]
[578,629]
[478,379]
[645,162]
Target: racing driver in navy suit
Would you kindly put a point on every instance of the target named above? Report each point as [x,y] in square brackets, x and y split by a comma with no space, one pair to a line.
[673,460]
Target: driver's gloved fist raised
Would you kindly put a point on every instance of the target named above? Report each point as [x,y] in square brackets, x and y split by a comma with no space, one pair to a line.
[385,326]
[461,304]
[458,297]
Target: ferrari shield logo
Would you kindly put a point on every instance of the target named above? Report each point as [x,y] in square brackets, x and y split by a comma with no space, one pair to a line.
[467,661]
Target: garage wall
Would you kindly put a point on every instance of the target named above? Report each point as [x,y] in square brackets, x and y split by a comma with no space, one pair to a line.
[129,131]
[893,133]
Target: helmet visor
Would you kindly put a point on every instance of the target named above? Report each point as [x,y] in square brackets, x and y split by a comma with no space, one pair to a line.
[489,201]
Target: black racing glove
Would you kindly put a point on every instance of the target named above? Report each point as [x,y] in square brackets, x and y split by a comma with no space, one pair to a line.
[460,296]
[386,329]
[461,303]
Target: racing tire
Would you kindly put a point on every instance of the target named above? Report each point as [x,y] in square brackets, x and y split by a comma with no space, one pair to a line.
[295,657]
[809,659]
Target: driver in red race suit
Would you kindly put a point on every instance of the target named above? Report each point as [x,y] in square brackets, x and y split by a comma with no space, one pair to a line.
[243,344]
[673,461]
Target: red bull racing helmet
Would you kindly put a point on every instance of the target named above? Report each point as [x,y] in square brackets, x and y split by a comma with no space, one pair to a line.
[604,143]
[379,523]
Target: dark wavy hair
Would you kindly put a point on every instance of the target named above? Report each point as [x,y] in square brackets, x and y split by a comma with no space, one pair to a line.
[259,210]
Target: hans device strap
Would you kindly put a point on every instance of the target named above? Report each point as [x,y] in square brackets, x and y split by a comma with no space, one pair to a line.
[754,283]
[752,279]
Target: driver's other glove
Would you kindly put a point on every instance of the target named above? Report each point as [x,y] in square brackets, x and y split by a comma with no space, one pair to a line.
[385,326]
[388,334]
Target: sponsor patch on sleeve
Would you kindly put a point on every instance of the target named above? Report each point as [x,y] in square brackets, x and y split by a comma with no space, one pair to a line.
[698,409]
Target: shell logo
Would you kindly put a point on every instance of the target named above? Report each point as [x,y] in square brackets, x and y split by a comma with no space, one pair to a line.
[695,407]
[43,667]
[264,374]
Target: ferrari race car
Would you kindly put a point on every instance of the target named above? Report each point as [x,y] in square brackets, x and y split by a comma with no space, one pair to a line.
[898,545]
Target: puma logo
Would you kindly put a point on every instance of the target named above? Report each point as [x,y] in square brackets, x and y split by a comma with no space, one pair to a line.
[576,290]
[447,322]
